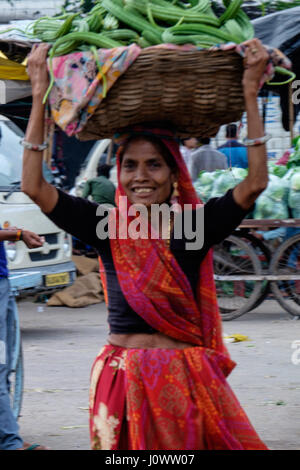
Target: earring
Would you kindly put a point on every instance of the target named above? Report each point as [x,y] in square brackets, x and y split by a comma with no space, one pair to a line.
[175,189]
[175,194]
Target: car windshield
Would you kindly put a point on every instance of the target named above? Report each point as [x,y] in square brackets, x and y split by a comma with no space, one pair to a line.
[11,152]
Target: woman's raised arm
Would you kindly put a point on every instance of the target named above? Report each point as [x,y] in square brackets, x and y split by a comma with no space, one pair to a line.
[33,183]
[250,188]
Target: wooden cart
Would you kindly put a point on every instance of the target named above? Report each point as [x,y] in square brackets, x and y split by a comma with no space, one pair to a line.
[247,271]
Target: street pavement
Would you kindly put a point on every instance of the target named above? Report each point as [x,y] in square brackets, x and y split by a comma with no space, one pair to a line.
[60,344]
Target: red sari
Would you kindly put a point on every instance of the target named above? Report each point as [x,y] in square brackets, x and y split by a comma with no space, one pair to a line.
[163,399]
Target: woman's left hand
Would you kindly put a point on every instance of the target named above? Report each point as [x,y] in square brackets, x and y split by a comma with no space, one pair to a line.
[255,61]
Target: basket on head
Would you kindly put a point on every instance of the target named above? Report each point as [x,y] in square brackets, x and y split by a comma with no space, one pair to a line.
[197,91]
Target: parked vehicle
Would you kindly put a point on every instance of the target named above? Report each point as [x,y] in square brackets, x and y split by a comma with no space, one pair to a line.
[31,270]
[98,154]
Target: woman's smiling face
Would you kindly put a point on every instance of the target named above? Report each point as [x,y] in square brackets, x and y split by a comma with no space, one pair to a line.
[144,175]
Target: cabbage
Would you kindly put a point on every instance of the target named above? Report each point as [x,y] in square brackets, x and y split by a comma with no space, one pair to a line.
[295,181]
[267,208]
[223,182]
[294,195]
[277,170]
[276,189]
[204,184]
[272,203]
[206,177]
[294,200]
[239,173]
[280,170]
[289,174]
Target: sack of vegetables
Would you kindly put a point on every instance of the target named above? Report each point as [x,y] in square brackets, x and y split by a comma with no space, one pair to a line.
[168,60]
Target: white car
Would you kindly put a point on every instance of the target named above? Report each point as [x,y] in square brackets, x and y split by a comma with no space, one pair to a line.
[31,270]
[88,170]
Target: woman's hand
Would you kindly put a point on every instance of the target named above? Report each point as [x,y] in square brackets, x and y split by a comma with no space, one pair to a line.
[255,61]
[37,69]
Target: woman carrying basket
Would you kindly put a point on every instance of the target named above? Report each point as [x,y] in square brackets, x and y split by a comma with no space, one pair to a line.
[160,382]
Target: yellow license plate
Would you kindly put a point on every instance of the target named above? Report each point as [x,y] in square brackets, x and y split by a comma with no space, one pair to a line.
[52,280]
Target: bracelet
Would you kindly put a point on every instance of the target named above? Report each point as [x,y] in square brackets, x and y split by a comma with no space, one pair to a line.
[18,236]
[258,141]
[34,147]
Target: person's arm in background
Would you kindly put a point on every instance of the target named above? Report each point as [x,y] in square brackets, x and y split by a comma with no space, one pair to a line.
[31,239]
[33,182]
[246,192]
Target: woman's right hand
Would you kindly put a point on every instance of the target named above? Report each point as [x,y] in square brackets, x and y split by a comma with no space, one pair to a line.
[37,69]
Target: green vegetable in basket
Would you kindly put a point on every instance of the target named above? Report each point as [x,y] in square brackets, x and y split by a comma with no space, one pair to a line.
[110,22]
[193,33]
[115,23]
[171,14]
[151,22]
[134,21]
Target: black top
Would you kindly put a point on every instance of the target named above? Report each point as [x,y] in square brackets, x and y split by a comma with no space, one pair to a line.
[77,216]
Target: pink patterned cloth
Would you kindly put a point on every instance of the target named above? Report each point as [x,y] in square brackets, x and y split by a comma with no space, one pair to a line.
[80,87]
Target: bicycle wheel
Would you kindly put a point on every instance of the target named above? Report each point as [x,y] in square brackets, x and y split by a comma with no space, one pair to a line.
[234,260]
[264,255]
[286,262]
[16,374]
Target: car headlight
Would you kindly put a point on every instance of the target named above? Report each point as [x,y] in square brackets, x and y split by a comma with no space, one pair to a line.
[67,244]
[11,250]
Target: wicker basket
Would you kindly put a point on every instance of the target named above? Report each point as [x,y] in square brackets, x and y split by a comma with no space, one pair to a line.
[197,91]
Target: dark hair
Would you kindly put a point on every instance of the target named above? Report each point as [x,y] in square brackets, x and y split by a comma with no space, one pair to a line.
[231,131]
[161,148]
[204,140]
[103,170]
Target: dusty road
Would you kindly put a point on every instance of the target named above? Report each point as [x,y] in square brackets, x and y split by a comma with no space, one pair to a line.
[60,344]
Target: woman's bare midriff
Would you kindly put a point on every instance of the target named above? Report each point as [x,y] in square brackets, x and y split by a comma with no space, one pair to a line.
[147,341]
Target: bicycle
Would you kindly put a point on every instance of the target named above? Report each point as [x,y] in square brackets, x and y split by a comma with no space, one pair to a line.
[285,265]
[235,264]
[247,272]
